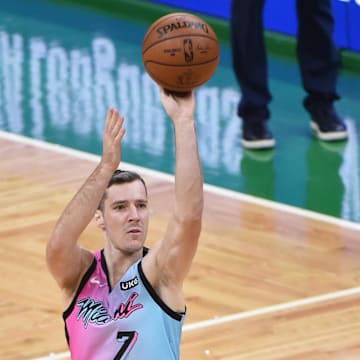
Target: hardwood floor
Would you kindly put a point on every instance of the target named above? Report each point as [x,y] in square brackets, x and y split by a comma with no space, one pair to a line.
[329,330]
[252,256]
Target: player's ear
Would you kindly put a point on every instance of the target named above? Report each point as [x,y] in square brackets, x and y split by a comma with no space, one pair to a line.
[99,219]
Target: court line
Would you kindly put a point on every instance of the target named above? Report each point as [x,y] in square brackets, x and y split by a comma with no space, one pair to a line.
[166,177]
[247,314]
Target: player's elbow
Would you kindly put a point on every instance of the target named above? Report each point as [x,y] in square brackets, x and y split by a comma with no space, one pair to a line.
[198,207]
[197,210]
[190,214]
[56,248]
[53,249]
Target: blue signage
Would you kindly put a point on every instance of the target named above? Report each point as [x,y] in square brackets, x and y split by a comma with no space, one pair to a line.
[280,16]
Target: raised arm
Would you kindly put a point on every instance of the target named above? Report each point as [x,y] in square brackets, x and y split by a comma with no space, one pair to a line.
[175,252]
[66,260]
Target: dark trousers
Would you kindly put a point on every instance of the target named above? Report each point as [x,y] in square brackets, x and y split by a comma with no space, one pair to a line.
[318,57]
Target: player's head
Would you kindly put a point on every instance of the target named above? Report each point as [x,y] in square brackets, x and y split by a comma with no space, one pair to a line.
[122,177]
[123,212]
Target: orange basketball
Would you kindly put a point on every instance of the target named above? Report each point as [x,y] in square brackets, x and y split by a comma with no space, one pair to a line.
[180,52]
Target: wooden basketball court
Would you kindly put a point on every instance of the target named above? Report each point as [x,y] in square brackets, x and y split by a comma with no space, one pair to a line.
[268,281]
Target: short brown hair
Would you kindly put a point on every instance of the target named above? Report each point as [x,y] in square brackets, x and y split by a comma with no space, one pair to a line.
[122,177]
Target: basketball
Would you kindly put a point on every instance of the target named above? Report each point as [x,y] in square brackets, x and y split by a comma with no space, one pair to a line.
[180,52]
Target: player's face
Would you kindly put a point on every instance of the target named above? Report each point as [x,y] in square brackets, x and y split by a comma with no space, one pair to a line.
[126,215]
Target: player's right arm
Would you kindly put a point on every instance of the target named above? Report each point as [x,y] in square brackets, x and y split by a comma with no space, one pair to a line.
[66,259]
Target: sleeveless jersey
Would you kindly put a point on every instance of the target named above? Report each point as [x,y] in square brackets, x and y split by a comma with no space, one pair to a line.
[128,322]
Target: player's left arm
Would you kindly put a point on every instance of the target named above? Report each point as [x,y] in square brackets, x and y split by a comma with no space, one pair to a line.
[171,258]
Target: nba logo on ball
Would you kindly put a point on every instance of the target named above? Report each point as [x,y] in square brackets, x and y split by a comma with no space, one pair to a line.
[180,52]
[188,51]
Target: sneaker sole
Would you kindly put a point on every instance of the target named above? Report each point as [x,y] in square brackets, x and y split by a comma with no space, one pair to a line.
[258,144]
[328,136]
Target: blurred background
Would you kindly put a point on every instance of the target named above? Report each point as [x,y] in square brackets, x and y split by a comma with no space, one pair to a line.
[63,63]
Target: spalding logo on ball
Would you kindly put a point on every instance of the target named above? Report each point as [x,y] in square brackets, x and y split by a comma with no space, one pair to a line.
[180,52]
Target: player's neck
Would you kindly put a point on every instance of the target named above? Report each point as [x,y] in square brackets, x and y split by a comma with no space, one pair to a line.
[118,263]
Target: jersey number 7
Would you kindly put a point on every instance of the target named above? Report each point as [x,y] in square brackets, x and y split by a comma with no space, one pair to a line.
[127,340]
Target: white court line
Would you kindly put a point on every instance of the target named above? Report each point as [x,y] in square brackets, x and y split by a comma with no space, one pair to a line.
[273,309]
[248,314]
[166,177]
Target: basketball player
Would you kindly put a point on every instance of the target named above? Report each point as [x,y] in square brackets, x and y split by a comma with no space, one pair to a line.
[124,302]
